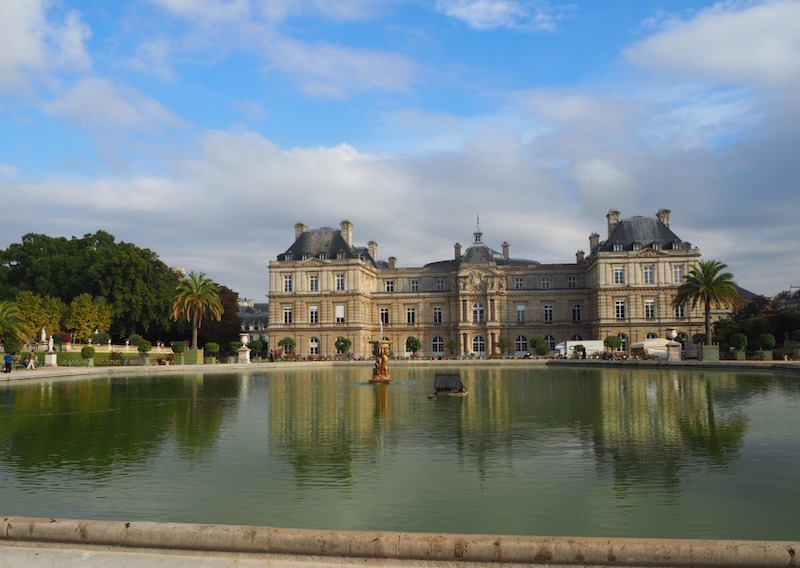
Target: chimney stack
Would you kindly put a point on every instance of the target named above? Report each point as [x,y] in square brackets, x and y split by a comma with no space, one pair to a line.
[613,221]
[663,216]
[347,232]
[505,250]
[579,256]
[594,240]
[299,229]
[457,248]
[373,250]
[392,262]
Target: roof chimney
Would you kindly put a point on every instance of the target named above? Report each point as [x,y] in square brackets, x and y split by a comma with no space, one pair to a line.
[392,262]
[663,216]
[347,232]
[594,240]
[505,250]
[373,250]
[579,256]
[613,221]
[457,248]
[299,229]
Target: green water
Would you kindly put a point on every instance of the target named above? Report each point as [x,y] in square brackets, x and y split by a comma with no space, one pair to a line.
[539,451]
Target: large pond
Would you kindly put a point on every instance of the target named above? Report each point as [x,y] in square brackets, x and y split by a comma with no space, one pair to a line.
[556,450]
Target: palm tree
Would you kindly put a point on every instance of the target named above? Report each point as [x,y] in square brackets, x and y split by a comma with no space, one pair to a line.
[707,283]
[196,297]
[12,323]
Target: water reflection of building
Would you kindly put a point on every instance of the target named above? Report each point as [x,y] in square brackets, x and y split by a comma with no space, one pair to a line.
[324,286]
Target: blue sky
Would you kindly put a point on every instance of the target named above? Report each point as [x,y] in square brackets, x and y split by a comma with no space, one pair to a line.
[204,129]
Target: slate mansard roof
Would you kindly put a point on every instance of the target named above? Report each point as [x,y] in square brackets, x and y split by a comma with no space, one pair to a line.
[326,242]
[639,232]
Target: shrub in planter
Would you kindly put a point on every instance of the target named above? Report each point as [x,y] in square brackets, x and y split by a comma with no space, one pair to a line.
[179,347]
[87,354]
[145,347]
[211,348]
[234,346]
[766,341]
[135,339]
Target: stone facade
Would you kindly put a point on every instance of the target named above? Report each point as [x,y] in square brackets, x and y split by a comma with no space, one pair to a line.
[324,287]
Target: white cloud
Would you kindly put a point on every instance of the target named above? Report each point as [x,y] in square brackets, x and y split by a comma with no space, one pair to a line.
[729,43]
[31,45]
[493,14]
[102,105]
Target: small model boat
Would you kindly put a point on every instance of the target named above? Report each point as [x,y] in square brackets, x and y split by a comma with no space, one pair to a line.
[448,384]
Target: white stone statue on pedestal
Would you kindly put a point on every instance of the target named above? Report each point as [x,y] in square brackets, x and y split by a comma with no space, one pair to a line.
[50,344]
[44,336]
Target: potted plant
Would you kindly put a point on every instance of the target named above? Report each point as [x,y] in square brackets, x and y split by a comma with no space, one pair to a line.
[739,342]
[87,354]
[766,342]
[211,350]
[179,348]
[144,348]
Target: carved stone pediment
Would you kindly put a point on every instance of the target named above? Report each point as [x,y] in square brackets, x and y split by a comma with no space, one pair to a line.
[648,253]
[480,281]
[312,261]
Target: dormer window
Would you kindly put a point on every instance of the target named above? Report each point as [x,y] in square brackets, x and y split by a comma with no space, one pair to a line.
[323,256]
[305,256]
[656,246]
[676,245]
[637,246]
[617,247]
[289,256]
[340,255]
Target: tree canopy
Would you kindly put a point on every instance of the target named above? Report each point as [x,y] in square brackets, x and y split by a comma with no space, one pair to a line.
[196,297]
[706,283]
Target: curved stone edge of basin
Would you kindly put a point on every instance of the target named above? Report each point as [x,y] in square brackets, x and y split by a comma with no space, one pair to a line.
[397,546]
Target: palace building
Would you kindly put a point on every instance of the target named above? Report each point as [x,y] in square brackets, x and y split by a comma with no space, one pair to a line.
[324,287]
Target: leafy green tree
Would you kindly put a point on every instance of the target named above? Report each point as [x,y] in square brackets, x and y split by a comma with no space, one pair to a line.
[613,342]
[87,314]
[413,344]
[139,286]
[12,324]
[503,343]
[739,341]
[228,326]
[196,297]
[539,346]
[287,344]
[766,341]
[343,345]
[451,345]
[707,283]
[145,347]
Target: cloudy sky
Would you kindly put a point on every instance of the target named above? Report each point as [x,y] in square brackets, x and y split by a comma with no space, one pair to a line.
[205,129]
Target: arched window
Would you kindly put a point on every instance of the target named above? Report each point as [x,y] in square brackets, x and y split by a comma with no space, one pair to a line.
[437,346]
[521,345]
[577,337]
[551,342]
[477,313]
[479,346]
[652,335]
[313,346]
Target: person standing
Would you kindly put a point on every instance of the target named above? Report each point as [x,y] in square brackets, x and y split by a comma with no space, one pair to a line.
[7,362]
[31,361]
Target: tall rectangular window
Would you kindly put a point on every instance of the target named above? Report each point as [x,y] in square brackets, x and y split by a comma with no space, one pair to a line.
[576,312]
[677,274]
[313,314]
[619,309]
[313,283]
[650,309]
[520,314]
[287,283]
[548,313]
[572,282]
[545,282]
[339,314]
[440,285]
[390,285]
[648,275]
[411,315]
[287,315]
[437,314]
[339,282]
[680,312]
[619,275]
[518,283]
[385,316]
[415,285]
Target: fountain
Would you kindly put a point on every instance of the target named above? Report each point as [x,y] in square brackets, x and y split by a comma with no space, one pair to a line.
[381,349]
